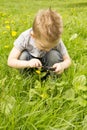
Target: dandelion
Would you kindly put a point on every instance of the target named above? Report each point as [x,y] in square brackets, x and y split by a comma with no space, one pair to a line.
[38,71]
[44,95]
[13,33]
[8,27]
[6,46]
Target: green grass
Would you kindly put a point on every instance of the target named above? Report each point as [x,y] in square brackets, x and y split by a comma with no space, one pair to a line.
[58,103]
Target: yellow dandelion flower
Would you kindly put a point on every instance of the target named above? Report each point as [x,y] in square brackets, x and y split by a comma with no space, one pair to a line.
[44,95]
[13,33]
[8,27]
[6,46]
[38,71]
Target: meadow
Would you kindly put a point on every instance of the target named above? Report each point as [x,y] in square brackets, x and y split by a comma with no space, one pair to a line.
[59,102]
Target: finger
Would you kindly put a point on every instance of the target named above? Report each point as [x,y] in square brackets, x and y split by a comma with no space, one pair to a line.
[59,72]
[39,63]
[54,66]
[56,70]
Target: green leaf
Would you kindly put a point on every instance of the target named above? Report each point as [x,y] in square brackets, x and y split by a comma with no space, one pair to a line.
[82,102]
[7,104]
[79,83]
[74,36]
[79,80]
[84,123]
[37,84]
[83,88]
[2,81]
[69,94]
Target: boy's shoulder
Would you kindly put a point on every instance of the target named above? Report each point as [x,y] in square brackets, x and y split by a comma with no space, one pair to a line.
[26,33]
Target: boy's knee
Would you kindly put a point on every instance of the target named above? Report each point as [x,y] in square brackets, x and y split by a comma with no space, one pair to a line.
[53,57]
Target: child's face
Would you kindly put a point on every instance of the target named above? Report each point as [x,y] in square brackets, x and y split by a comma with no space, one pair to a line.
[44,45]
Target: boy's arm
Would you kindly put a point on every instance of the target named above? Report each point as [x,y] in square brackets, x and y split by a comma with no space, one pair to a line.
[67,61]
[14,62]
[59,67]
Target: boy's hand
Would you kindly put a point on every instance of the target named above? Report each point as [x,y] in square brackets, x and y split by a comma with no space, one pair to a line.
[58,68]
[34,63]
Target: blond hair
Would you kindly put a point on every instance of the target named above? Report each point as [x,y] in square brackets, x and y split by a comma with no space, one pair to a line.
[48,25]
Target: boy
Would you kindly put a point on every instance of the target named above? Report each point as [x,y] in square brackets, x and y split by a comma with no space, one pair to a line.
[41,45]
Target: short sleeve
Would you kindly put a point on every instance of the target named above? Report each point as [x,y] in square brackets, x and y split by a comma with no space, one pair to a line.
[62,48]
[20,43]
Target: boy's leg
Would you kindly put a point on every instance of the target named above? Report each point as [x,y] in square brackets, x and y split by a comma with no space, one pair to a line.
[25,56]
[51,58]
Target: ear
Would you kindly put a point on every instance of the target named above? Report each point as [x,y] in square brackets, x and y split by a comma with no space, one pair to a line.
[32,34]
